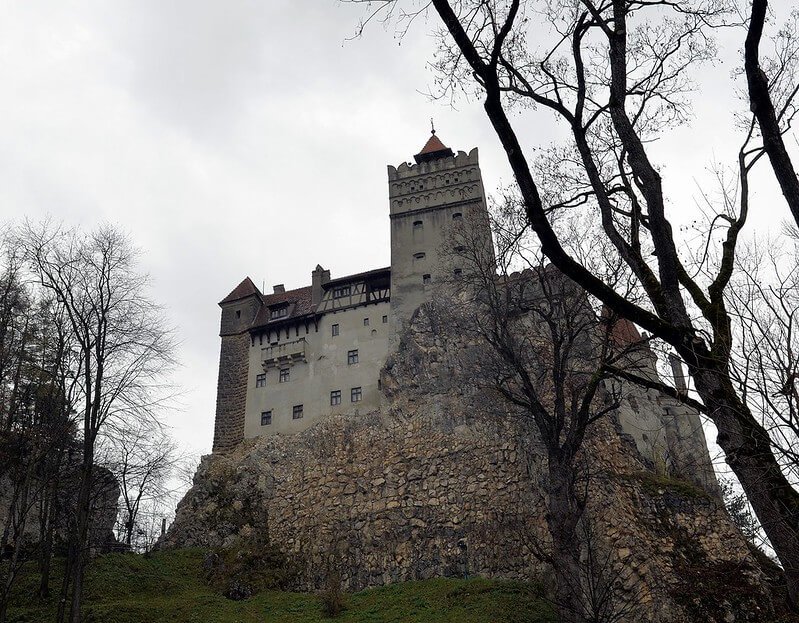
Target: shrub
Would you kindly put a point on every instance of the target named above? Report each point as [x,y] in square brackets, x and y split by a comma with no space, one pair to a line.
[333,602]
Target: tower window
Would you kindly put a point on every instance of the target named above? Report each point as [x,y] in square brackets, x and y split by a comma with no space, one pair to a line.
[284,375]
[355,394]
[296,412]
[425,279]
[418,256]
[335,397]
[266,418]
[418,224]
[334,330]
[365,322]
[260,380]
[457,216]
[352,356]
[341,292]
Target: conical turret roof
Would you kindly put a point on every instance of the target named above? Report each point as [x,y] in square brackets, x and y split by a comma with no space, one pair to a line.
[433,150]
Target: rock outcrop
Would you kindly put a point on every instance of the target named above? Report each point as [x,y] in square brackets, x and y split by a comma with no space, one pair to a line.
[444,480]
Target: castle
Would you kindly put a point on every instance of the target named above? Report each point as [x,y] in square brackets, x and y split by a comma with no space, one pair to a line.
[410,470]
[291,357]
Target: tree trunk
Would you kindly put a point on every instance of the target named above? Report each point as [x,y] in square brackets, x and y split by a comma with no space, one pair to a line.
[82,537]
[562,520]
[62,602]
[763,108]
[19,523]
[748,451]
[49,522]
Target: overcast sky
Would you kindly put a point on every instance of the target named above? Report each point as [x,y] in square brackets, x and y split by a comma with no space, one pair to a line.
[249,137]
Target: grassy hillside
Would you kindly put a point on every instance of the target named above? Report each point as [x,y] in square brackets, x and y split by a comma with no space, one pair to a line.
[168,586]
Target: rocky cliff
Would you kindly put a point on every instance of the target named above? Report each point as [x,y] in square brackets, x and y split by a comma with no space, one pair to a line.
[444,480]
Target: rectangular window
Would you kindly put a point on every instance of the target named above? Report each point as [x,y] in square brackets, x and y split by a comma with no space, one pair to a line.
[341,291]
[335,397]
[425,279]
[385,319]
[355,394]
[266,418]
[296,412]
[280,312]
[457,272]
[260,380]
[284,375]
[365,322]
[334,330]
[352,357]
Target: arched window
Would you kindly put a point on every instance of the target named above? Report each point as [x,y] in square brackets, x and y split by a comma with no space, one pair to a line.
[418,224]
[457,216]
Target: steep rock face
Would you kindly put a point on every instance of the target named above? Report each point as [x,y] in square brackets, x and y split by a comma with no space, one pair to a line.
[444,481]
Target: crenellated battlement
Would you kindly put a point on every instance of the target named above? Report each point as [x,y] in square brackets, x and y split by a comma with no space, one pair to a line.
[408,169]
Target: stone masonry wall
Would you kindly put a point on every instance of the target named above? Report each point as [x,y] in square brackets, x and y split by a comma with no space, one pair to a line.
[231,396]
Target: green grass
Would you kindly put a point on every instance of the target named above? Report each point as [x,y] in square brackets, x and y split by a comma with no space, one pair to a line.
[656,484]
[168,587]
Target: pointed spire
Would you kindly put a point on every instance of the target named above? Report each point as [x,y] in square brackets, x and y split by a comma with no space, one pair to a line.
[433,149]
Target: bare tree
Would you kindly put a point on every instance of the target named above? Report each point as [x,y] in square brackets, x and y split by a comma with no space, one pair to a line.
[615,72]
[123,352]
[772,87]
[144,459]
[535,340]
[765,304]
[37,426]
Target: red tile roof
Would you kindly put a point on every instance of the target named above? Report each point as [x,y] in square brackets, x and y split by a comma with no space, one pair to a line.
[243,290]
[432,150]
[433,144]
[299,299]
[623,333]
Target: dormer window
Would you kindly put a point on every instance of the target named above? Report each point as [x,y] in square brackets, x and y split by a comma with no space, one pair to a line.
[341,291]
[279,312]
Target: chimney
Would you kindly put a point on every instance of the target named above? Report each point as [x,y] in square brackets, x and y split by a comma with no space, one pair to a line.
[278,289]
[319,277]
[679,376]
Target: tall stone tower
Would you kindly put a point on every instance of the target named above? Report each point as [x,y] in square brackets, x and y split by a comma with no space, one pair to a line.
[239,309]
[430,202]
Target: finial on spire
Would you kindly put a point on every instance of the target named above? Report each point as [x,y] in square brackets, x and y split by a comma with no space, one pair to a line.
[432,127]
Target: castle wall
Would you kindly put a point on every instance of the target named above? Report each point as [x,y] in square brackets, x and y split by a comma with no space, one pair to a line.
[445,481]
[324,368]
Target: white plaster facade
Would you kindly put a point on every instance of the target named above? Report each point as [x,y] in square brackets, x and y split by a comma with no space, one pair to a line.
[296,360]
[323,369]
